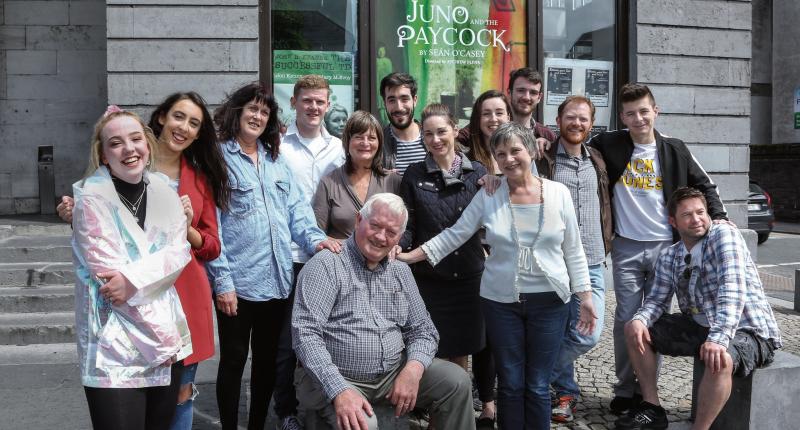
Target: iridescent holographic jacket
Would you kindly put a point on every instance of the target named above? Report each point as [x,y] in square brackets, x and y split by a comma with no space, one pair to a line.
[131,345]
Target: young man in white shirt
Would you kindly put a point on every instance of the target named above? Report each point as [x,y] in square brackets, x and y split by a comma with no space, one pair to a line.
[311,153]
[644,168]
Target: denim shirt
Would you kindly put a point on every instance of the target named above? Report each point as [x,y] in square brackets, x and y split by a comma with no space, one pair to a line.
[267,211]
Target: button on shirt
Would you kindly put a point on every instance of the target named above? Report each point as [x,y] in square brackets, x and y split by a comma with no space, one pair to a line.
[310,160]
[267,211]
[728,289]
[352,322]
[580,177]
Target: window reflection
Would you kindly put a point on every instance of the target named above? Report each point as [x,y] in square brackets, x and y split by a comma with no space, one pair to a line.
[320,37]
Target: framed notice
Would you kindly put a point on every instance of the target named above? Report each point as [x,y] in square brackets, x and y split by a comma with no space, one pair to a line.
[590,78]
[336,67]
[559,85]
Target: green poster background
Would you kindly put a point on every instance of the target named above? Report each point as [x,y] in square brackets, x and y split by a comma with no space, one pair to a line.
[290,65]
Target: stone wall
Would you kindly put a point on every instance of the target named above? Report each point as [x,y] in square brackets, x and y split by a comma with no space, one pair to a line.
[52,88]
[158,47]
[695,56]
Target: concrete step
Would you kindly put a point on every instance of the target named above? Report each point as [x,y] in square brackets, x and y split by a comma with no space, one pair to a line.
[51,298]
[36,328]
[36,248]
[32,274]
[53,353]
[10,227]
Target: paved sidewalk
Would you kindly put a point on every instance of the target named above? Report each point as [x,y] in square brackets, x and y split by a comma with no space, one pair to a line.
[595,373]
[786,227]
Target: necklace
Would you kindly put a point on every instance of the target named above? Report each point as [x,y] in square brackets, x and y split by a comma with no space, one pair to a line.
[133,207]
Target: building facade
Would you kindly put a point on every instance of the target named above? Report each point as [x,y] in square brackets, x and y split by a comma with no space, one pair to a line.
[696,55]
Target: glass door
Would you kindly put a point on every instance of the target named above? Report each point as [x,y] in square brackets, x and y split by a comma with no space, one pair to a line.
[579,52]
[315,37]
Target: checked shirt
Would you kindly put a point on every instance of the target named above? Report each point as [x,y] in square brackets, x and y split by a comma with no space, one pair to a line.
[350,322]
[729,291]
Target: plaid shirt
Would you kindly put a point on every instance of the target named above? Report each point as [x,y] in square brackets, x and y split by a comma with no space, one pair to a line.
[728,292]
[580,177]
[355,323]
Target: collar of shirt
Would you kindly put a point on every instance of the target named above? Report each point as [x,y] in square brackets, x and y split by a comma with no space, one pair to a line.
[433,168]
[563,152]
[293,131]
[352,248]
[233,146]
[419,138]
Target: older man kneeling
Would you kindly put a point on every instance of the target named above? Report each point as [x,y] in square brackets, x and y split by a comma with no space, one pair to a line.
[363,335]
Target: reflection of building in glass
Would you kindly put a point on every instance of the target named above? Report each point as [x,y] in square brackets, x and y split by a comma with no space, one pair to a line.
[580,29]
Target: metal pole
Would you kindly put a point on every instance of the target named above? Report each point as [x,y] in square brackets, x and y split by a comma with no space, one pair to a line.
[797,290]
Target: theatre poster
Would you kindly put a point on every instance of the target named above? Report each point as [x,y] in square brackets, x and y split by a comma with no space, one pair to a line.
[456,49]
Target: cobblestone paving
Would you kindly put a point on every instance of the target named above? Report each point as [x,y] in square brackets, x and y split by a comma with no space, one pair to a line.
[595,374]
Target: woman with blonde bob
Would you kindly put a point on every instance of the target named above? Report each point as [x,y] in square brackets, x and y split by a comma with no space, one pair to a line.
[129,245]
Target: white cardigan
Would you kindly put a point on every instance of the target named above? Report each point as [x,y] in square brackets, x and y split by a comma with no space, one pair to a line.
[557,250]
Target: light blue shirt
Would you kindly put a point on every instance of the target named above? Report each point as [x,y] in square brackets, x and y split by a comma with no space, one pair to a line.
[267,212]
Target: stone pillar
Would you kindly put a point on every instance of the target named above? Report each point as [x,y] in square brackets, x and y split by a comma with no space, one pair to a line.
[695,56]
[156,48]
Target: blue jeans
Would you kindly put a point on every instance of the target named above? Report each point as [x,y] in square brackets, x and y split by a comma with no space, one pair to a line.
[576,344]
[182,420]
[525,339]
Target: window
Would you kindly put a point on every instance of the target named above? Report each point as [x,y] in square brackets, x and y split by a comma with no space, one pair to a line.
[579,51]
[319,37]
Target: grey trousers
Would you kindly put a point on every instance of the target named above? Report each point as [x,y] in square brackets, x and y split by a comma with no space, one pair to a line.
[634,262]
[445,389]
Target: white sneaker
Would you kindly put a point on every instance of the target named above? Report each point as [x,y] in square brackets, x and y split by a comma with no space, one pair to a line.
[290,423]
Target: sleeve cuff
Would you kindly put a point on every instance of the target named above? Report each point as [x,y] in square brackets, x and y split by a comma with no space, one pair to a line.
[430,254]
[718,338]
[582,288]
[335,387]
[642,318]
[223,285]
[420,356]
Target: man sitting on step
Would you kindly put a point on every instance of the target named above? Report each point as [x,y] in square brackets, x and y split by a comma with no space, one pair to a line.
[362,334]
[725,319]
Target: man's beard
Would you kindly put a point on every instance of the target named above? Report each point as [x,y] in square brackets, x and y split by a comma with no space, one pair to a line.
[406,124]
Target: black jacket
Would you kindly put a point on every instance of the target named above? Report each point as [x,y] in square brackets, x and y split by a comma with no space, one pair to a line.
[435,203]
[547,166]
[678,167]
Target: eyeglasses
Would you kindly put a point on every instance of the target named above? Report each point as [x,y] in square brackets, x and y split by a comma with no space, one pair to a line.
[687,272]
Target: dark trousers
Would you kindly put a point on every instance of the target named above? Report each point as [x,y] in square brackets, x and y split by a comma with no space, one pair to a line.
[286,361]
[485,373]
[256,327]
[526,339]
[149,408]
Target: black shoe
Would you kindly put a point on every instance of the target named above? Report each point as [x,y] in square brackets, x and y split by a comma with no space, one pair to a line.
[645,416]
[621,405]
[484,423]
